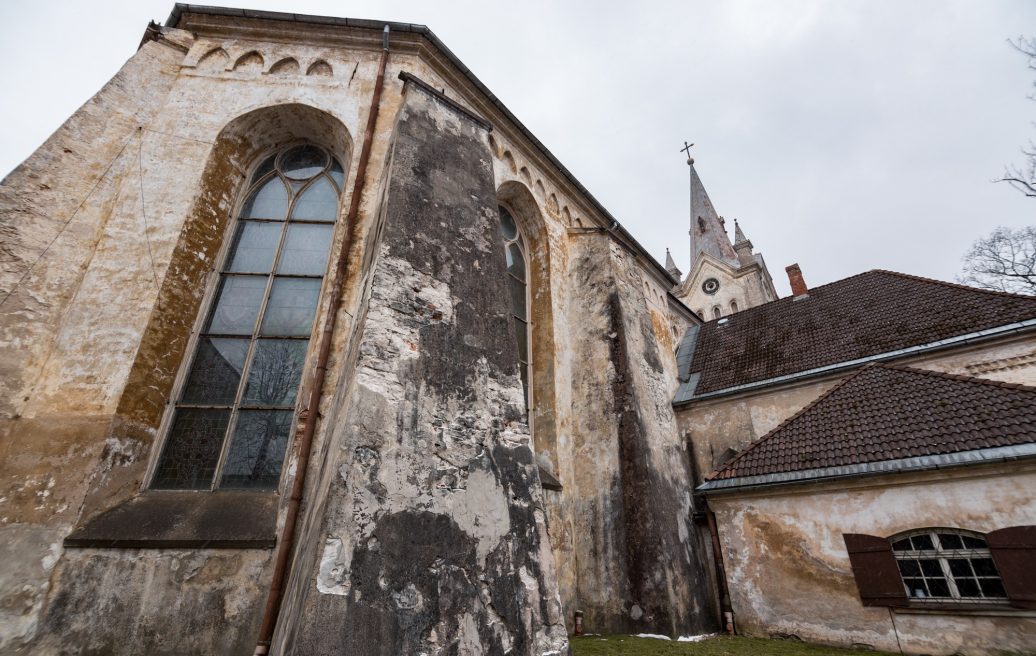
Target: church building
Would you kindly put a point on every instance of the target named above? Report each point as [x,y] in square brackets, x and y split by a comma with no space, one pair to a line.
[309,346]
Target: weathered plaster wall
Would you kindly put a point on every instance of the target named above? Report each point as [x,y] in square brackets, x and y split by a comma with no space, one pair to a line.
[717,428]
[1010,361]
[435,536]
[789,572]
[628,502]
[112,232]
[155,173]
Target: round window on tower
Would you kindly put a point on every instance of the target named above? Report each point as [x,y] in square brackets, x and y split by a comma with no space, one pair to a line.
[710,286]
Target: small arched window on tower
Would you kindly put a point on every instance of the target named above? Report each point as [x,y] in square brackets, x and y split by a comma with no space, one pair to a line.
[716,312]
[733,307]
[517,283]
[233,416]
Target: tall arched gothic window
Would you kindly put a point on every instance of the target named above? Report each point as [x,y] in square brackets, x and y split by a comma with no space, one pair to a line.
[517,282]
[234,412]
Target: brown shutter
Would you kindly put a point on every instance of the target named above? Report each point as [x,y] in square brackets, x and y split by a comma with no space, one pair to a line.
[1014,552]
[875,569]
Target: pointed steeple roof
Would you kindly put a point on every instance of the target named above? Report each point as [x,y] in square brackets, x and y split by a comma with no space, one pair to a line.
[670,265]
[739,236]
[708,235]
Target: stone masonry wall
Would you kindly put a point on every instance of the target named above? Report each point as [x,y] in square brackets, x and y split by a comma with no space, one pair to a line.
[628,498]
[434,531]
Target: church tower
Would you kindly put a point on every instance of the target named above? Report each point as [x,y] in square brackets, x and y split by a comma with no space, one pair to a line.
[723,277]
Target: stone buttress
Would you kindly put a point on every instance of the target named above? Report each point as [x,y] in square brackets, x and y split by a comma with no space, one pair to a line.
[431,532]
[637,551]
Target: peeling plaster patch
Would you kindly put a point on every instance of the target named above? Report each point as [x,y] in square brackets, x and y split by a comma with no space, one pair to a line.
[333,576]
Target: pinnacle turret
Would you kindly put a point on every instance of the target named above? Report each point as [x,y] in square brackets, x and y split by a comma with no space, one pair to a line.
[670,265]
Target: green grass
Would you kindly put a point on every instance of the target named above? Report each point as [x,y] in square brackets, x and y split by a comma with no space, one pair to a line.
[719,646]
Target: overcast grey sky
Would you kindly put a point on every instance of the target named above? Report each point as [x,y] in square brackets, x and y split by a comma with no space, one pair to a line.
[845,136]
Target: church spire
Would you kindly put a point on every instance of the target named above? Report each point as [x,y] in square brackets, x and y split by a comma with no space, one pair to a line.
[708,233]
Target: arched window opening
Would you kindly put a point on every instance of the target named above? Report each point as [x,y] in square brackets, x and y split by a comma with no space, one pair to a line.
[517,282]
[947,565]
[716,312]
[233,417]
[733,307]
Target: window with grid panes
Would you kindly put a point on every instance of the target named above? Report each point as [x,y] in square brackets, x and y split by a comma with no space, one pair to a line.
[517,284]
[947,565]
[233,416]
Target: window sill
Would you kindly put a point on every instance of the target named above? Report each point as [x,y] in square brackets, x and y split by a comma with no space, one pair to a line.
[179,520]
[980,610]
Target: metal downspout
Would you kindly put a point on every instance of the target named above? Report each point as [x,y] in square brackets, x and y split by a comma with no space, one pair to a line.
[286,540]
[721,573]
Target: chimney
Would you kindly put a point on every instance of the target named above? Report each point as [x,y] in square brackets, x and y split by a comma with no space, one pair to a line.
[798,285]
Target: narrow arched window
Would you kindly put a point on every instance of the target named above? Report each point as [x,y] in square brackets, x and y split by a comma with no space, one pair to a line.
[947,565]
[517,282]
[716,312]
[733,307]
[234,412]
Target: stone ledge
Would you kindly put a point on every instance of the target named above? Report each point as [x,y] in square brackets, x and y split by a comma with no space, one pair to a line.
[177,520]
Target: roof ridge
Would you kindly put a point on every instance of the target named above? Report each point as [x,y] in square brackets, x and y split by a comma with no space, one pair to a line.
[953,285]
[961,378]
[766,437]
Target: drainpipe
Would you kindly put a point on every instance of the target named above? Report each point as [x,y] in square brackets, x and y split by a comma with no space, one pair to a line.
[286,540]
[721,574]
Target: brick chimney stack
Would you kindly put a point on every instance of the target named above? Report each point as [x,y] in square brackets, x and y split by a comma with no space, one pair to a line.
[798,284]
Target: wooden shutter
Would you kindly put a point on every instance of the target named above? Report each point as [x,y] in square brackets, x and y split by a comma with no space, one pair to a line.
[1014,552]
[874,567]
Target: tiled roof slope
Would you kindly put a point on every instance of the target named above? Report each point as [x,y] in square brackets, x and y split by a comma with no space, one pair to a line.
[888,412]
[864,315]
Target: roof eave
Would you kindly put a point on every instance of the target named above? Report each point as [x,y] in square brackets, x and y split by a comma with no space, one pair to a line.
[968,339]
[901,465]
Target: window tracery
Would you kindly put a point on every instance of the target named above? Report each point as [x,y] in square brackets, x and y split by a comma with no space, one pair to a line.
[232,419]
[517,283]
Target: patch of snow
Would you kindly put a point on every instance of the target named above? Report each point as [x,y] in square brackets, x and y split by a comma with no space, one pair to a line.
[697,638]
[652,635]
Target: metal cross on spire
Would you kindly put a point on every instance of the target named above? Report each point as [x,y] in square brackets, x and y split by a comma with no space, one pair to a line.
[687,149]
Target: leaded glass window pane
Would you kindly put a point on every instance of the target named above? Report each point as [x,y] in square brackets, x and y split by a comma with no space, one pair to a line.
[192,450]
[269,202]
[274,375]
[235,412]
[216,371]
[303,162]
[337,173]
[292,304]
[318,202]
[255,246]
[514,260]
[237,305]
[305,250]
[263,169]
[257,449]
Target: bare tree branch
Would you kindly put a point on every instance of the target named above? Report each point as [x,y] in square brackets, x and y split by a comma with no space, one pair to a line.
[1004,261]
[1023,178]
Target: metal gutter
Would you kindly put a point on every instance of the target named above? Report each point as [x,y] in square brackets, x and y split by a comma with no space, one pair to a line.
[900,465]
[180,8]
[685,394]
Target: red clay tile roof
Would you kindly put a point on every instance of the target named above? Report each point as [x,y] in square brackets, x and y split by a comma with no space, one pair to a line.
[867,314]
[887,412]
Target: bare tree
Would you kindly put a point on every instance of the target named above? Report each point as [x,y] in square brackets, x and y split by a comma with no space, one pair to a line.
[1023,178]
[1004,261]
